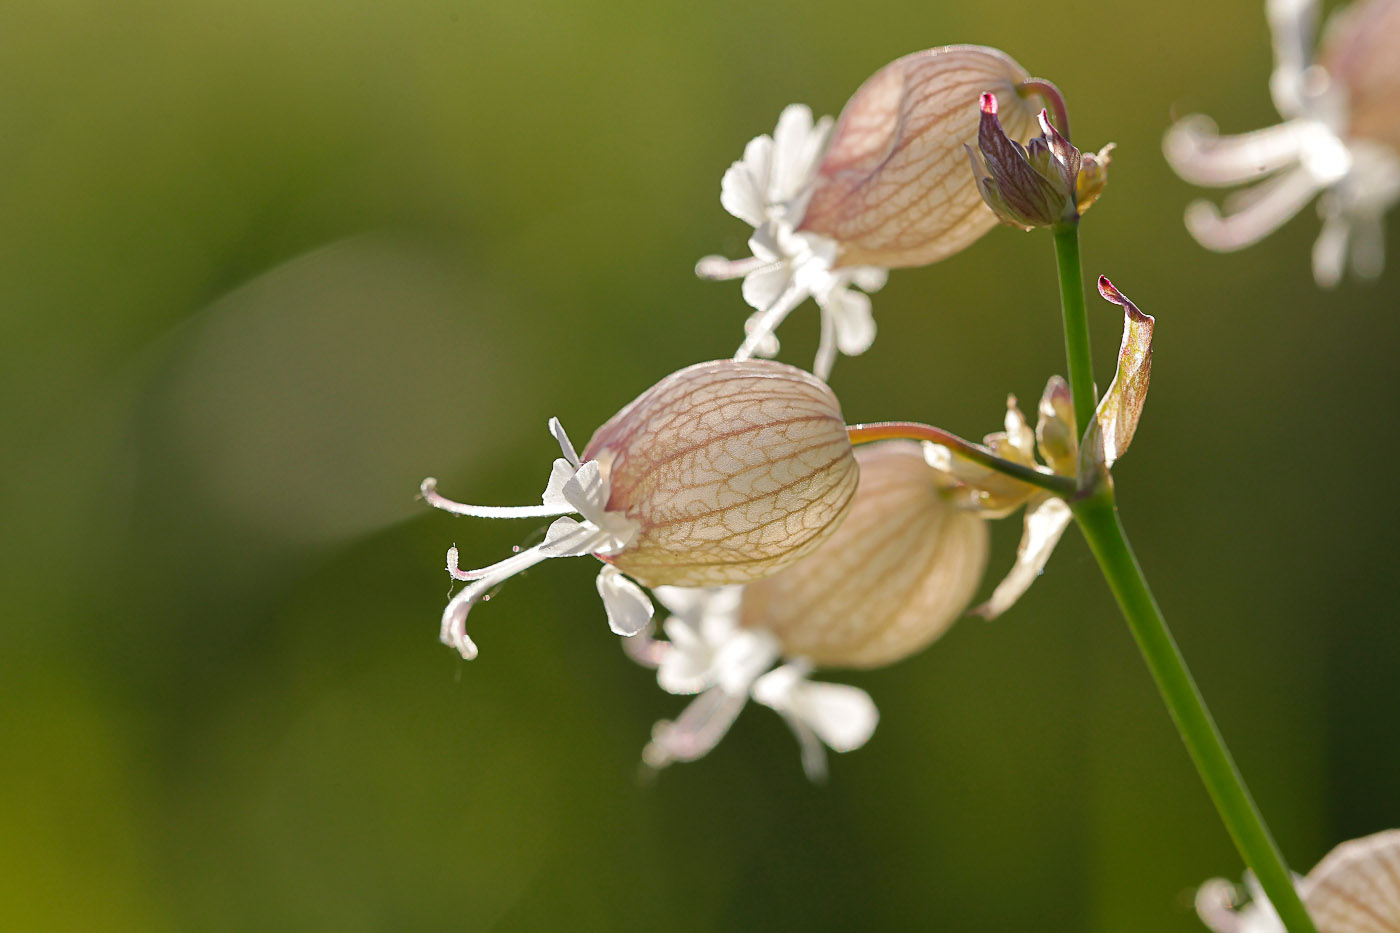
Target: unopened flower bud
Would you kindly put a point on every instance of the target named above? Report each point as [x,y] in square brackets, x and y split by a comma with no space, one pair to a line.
[1028,186]
[721,473]
[899,571]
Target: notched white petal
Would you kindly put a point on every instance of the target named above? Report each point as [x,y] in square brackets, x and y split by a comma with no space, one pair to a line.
[629,610]
[1046,520]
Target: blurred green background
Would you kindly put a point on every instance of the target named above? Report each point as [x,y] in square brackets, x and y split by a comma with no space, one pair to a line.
[266,265]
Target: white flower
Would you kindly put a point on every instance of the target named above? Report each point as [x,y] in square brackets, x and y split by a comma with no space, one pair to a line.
[573,488]
[1312,152]
[710,654]
[770,189]
[1355,888]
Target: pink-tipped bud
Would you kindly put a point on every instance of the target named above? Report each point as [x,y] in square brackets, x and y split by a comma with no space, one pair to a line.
[902,567]
[1361,53]
[1028,186]
[731,471]
[893,188]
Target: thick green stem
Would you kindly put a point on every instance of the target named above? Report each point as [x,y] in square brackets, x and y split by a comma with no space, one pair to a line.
[1097,516]
[1098,519]
[1081,364]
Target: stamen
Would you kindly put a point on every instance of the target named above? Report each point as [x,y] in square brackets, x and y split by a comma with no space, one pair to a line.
[454,617]
[1270,205]
[722,269]
[1200,155]
[788,299]
[437,501]
[826,347]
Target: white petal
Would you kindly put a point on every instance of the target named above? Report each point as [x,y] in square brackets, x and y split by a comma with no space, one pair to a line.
[855,325]
[629,610]
[743,657]
[697,730]
[743,188]
[842,716]
[554,497]
[764,285]
[1046,521]
[565,444]
[587,490]
[569,538]
[870,278]
[791,155]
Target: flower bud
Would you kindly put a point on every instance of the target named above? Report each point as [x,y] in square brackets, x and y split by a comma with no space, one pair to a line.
[898,572]
[730,470]
[1026,186]
[892,187]
[1361,53]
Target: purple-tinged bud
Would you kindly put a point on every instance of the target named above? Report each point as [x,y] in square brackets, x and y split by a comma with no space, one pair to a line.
[899,571]
[731,471]
[1361,53]
[891,189]
[1028,186]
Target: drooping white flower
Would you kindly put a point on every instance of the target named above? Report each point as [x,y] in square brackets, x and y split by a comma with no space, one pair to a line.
[770,189]
[707,652]
[722,473]
[574,487]
[1337,139]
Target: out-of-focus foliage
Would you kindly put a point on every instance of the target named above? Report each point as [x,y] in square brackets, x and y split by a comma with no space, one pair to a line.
[266,265]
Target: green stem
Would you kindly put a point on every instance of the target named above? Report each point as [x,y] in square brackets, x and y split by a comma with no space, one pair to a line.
[1098,519]
[1097,516]
[1062,486]
[1081,364]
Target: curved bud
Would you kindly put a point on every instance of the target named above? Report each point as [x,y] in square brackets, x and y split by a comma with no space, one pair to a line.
[901,568]
[893,188]
[729,471]
[1361,53]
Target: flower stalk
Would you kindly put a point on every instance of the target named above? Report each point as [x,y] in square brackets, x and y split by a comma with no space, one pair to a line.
[1061,486]
[1077,352]
[1097,517]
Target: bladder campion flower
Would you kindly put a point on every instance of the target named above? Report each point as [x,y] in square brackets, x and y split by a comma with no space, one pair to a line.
[1355,889]
[901,568]
[887,188]
[723,472]
[1340,137]
[1087,459]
